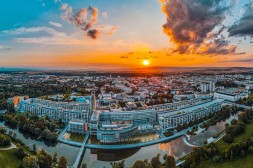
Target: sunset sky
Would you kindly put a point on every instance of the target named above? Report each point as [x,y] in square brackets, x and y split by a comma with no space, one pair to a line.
[122,34]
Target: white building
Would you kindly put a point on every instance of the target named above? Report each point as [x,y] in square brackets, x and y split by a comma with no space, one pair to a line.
[57,110]
[172,118]
[231,94]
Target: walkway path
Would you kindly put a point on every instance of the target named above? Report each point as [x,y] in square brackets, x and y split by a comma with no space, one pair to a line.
[13,146]
[188,143]
[179,163]
[221,136]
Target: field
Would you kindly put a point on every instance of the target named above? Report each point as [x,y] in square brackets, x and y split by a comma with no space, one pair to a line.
[246,162]
[8,159]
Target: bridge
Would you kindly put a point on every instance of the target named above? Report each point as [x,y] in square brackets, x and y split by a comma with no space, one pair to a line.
[80,155]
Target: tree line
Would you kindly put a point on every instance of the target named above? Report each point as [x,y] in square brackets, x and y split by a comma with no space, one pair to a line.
[43,127]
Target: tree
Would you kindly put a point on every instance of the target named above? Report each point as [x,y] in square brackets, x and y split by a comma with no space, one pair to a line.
[139,164]
[30,162]
[21,153]
[10,107]
[34,148]
[48,161]
[84,165]
[169,161]
[120,164]
[63,162]
[155,162]
[4,140]
[228,138]
[55,157]
[2,130]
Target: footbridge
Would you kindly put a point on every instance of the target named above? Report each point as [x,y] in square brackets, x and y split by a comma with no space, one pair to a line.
[80,155]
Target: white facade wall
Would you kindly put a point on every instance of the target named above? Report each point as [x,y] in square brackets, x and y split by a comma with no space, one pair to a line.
[173,119]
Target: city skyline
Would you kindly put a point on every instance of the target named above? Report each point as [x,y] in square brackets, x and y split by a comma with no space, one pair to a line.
[95,34]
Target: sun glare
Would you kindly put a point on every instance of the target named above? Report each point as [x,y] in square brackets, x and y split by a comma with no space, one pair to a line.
[145,62]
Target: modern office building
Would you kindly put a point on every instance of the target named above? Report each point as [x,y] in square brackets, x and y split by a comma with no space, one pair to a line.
[114,133]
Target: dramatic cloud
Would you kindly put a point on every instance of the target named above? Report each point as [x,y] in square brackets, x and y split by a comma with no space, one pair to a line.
[195,26]
[55,24]
[85,19]
[244,27]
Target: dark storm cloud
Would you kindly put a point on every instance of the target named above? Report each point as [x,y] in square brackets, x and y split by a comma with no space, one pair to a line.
[191,25]
[244,27]
[93,33]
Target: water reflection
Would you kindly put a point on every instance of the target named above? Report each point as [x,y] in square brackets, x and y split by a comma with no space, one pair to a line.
[100,158]
[215,129]
[112,155]
[176,148]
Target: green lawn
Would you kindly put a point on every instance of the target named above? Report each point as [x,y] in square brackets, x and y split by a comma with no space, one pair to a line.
[8,159]
[246,162]
[76,137]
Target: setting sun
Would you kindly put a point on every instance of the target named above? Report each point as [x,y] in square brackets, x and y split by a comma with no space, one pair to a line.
[145,62]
